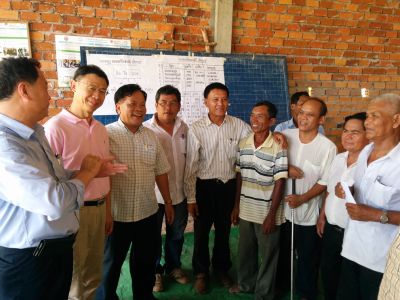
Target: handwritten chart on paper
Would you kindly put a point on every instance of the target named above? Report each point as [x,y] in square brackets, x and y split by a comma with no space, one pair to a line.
[189,74]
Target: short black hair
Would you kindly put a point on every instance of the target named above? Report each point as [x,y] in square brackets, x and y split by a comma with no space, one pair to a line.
[14,70]
[272,110]
[362,116]
[215,86]
[127,90]
[90,69]
[323,108]
[296,96]
[168,90]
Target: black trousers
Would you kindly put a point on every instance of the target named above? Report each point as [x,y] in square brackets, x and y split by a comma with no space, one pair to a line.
[27,277]
[307,245]
[331,260]
[358,282]
[142,235]
[215,201]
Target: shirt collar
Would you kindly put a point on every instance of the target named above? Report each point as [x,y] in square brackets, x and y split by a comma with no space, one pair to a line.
[74,119]
[21,129]
[266,144]
[122,125]
[208,120]
[153,122]
[393,154]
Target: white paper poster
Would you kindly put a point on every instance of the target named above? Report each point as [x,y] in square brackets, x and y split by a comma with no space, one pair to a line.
[68,53]
[189,74]
[14,40]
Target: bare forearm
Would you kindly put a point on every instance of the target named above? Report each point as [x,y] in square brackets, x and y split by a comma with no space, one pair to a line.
[394,217]
[85,176]
[322,211]
[316,190]
[375,216]
[362,212]
[277,195]
[238,188]
[163,186]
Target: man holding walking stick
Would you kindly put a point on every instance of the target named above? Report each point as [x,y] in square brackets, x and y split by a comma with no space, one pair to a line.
[310,156]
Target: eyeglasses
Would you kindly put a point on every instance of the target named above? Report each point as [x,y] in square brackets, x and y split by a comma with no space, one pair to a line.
[91,88]
[165,103]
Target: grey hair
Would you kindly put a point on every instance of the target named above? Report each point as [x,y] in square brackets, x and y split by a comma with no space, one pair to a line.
[392,99]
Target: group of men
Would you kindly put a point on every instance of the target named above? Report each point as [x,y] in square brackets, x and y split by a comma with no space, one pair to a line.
[117,183]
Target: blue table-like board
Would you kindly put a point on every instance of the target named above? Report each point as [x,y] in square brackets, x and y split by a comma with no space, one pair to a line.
[250,79]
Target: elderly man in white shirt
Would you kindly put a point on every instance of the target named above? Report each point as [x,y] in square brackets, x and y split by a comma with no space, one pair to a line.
[374,218]
[333,217]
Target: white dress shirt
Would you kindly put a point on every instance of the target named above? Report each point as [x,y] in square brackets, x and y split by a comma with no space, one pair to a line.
[211,151]
[175,149]
[376,185]
[314,159]
[335,208]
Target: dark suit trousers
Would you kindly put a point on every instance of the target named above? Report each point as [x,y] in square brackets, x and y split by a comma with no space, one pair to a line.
[215,201]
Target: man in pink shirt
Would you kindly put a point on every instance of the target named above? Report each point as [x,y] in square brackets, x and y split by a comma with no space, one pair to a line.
[73,134]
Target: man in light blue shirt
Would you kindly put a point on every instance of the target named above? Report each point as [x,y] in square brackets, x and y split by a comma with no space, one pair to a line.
[296,101]
[38,198]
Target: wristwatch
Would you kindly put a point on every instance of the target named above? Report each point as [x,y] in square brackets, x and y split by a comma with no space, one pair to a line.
[384,217]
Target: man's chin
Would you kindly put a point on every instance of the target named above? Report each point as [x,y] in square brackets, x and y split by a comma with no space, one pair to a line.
[92,109]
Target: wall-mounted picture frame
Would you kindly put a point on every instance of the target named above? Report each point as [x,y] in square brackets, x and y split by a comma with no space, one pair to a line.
[14,39]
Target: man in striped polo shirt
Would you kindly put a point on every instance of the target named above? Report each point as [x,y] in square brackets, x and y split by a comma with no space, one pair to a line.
[261,171]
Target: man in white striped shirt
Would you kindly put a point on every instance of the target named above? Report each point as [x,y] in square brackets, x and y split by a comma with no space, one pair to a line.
[210,183]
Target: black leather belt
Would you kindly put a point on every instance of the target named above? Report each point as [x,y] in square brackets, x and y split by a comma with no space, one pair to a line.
[54,245]
[215,180]
[337,228]
[96,202]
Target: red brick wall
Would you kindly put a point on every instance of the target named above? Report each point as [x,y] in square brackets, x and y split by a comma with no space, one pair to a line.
[336,47]
[151,24]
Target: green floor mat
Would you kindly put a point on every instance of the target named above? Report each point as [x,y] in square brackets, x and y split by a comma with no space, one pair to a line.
[175,291]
